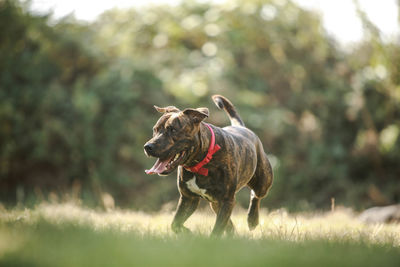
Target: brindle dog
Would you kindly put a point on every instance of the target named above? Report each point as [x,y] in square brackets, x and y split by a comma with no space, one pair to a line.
[181,140]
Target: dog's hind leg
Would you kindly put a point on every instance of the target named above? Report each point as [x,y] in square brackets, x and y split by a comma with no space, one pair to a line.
[253,212]
[186,207]
[259,185]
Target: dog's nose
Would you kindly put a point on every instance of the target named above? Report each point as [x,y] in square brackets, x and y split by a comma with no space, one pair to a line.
[149,147]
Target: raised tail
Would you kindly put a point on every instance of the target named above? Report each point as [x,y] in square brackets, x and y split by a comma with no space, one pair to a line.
[225,104]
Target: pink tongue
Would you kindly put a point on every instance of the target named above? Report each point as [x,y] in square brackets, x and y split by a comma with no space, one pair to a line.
[158,167]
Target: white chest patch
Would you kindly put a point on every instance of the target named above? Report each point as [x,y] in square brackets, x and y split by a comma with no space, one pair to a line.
[192,186]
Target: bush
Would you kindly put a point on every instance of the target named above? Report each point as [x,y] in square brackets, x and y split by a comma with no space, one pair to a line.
[76,100]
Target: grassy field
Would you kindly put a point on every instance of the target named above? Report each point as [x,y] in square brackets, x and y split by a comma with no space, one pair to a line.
[70,235]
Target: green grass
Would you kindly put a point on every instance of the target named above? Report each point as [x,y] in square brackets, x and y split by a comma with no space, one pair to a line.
[69,235]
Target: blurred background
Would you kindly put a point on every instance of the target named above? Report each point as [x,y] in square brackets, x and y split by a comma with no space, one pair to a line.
[77,92]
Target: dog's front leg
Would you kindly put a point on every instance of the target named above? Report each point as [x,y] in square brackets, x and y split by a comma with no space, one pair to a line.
[223,216]
[186,207]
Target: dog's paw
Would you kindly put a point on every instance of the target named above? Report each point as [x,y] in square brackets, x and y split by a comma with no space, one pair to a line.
[181,230]
[230,231]
[252,222]
[185,230]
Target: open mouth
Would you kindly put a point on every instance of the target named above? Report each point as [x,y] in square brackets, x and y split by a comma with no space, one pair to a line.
[167,165]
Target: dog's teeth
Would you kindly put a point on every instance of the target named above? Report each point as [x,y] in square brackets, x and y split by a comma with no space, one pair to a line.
[176,156]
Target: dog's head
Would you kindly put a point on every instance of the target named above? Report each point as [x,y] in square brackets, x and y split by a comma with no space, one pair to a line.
[174,137]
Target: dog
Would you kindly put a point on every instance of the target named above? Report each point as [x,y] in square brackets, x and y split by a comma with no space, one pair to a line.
[213,163]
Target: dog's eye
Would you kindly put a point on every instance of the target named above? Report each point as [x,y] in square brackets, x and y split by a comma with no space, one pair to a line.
[171,129]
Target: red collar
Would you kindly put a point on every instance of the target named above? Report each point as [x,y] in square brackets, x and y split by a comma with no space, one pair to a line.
[198,168]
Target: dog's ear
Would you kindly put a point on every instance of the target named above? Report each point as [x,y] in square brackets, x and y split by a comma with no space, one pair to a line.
[167,109]
[204,110]
[197,115]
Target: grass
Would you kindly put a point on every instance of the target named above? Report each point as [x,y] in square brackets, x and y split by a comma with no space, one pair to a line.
[70,235]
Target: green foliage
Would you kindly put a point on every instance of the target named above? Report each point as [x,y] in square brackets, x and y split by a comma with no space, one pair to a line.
[76,100]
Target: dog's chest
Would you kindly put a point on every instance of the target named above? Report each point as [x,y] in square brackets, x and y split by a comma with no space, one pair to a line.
[192,186]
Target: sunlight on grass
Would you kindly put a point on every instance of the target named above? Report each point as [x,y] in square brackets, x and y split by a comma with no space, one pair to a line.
[340,225]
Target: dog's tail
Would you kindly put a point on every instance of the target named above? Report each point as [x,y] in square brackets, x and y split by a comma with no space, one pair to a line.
[225,104]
